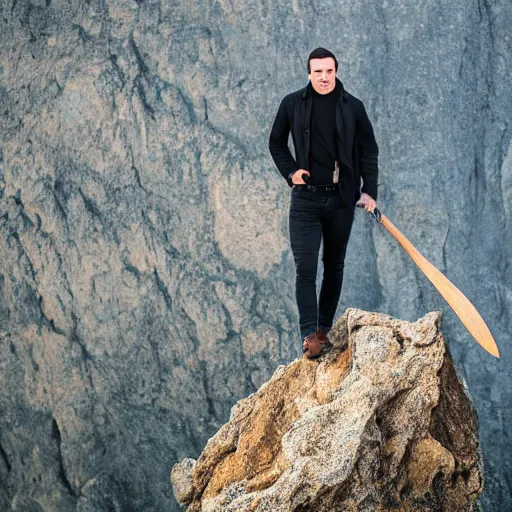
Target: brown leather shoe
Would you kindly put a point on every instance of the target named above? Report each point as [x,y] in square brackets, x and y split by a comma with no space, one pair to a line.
[316,344]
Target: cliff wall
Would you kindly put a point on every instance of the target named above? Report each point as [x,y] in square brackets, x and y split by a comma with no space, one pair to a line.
[146,281]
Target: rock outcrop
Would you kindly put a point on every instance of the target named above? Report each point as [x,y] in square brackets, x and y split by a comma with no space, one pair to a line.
[380,423]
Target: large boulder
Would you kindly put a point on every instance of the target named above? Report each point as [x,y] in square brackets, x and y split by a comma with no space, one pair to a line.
[381,422]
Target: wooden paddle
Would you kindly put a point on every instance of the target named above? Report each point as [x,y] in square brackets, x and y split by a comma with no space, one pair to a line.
[467,313]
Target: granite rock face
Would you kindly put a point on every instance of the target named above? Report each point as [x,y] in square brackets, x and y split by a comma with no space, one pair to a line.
[380,423]
[146,281]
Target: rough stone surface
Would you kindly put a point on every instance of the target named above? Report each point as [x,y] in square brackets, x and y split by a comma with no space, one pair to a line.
[381,423]
[146,281]
[182,476]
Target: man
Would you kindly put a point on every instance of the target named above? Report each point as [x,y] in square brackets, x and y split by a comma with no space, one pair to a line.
[334,149]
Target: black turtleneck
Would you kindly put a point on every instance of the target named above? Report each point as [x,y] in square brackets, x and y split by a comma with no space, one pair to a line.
[323,151]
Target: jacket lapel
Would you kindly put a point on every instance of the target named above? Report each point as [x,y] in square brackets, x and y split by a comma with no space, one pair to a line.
[305,116]
[344,124]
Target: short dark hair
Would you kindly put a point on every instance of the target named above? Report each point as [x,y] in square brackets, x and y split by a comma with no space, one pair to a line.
[321,53]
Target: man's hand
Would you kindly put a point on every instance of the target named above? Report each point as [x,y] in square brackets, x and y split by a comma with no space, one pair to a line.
[297,177]
[367,202]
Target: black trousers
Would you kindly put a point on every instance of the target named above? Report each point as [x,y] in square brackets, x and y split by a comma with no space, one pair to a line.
[313,216]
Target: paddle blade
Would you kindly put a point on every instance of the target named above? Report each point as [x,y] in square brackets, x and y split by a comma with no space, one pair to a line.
[460,304]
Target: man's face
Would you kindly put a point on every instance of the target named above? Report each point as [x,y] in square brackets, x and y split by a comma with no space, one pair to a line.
[322,75]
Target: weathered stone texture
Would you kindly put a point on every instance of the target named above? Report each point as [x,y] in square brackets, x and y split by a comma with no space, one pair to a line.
[146,282]
[381,423]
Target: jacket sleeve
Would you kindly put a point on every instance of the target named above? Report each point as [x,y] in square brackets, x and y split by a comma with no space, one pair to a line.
[278,144]
[368,152]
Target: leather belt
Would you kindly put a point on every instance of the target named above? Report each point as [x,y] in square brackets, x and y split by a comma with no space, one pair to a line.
[328,189]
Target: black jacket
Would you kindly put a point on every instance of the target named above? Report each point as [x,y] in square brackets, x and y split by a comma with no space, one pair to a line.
[357,148]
